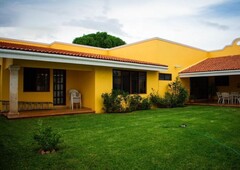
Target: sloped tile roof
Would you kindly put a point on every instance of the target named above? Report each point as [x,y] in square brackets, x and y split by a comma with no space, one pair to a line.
[48,50]
[216,64]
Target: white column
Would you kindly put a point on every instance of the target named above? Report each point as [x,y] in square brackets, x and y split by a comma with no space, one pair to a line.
[13,90]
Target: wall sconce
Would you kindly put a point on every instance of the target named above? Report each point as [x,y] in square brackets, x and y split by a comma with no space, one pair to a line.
[177,66]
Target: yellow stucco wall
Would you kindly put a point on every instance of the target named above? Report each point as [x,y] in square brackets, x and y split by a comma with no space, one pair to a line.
[78,48]
[34,96]
[103,84]
[86,86]
[152,82]
[233,49]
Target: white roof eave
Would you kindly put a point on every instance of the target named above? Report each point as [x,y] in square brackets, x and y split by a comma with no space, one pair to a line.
[36,56]
[210,73]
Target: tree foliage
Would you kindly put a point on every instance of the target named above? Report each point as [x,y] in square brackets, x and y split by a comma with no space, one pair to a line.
[99,39]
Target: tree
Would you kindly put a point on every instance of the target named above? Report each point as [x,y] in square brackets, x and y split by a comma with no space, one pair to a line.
[99,39]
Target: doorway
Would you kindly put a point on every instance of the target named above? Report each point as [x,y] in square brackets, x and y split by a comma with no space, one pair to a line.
[59,87]
[199,87]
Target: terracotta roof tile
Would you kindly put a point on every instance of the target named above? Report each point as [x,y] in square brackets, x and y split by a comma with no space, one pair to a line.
[48,50]
[216,64]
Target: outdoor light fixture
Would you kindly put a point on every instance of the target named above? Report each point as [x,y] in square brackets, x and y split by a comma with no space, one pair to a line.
[177,66]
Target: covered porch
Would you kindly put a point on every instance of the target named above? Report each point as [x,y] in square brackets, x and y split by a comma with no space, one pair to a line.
[211,78]
[43,89]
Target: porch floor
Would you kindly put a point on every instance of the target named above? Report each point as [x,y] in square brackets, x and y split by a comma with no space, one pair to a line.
[45,113]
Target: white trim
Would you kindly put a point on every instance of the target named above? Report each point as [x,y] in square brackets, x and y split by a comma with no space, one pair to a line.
[210,73]
[15,54]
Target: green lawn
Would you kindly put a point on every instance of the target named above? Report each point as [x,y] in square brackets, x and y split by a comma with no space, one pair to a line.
[139,140]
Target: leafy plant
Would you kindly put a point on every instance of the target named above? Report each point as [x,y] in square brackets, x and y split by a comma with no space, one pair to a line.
[176,95]
[156,100]
[145,104]
[118,101]
[115,101]
[46,138]
[134,102]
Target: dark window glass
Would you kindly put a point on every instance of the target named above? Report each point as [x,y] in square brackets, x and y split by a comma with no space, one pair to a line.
[142,82]
[117,79]
[59,87]
[222,81]
[125,81]
[36,80]
[129,81]
[165,76]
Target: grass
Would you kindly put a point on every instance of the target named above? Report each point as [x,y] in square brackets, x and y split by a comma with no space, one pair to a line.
[139,140]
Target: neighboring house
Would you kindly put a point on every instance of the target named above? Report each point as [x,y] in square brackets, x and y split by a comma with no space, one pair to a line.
[39,72]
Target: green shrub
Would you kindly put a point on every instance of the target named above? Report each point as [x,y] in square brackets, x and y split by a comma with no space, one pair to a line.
[156,100]
[118,101]
[46,138]
[176,95]
[145,104]
[134,102]
[115,101]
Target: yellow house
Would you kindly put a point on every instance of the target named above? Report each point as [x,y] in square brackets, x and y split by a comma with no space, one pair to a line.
[44,73]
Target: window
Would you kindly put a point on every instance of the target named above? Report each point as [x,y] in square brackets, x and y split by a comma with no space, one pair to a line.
[165,76]
[222,81]
[129,81]
[36,80]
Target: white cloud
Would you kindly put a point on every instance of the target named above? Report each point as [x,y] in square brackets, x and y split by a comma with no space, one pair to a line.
[184,21]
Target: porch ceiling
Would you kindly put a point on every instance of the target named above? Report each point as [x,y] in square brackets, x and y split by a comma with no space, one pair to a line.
[27,52]
[220,66]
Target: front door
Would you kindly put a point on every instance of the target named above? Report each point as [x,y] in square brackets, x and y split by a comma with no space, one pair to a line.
[199,87]
[59,87]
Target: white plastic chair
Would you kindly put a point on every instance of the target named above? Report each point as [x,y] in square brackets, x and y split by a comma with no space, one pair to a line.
[225,96]
[219,95]
[234,97]
[238,98]
[76,98]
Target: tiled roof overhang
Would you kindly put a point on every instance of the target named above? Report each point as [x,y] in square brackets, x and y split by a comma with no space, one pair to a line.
[219,66]
[28,52]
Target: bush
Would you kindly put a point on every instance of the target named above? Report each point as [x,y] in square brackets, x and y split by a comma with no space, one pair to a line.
[176,95]
[145,104]
[134,102]
[118,101]
[115,102]
[46,138]
[156,100]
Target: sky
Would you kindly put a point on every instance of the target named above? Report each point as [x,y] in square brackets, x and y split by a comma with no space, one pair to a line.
[204,24]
